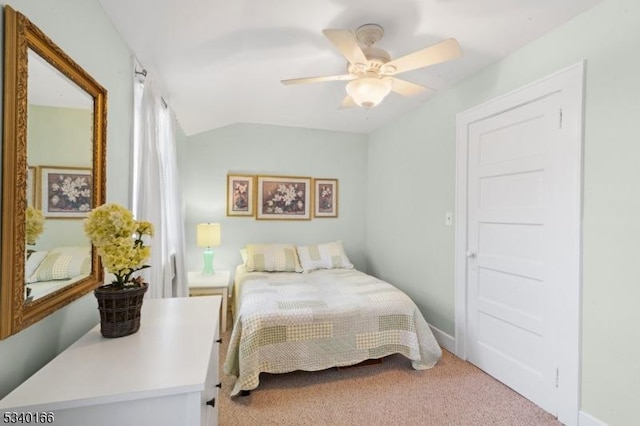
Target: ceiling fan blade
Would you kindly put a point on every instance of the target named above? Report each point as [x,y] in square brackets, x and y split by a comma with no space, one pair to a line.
[443,51]
[347,44]
[347,102]
[407,88]
[345,77]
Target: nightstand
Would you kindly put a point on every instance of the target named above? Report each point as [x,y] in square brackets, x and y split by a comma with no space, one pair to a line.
[207,285]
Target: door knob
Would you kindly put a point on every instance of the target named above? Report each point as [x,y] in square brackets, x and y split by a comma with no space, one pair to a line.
[471,254]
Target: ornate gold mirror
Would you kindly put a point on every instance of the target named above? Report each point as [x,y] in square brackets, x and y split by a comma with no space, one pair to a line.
[53,173]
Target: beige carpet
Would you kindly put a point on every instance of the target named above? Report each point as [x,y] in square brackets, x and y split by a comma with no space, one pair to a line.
[454,392]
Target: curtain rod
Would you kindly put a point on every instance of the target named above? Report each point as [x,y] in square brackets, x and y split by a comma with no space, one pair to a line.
[144,74]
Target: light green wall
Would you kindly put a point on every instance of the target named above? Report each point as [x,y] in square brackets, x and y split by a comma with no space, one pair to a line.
[83,31]
[413,160]
[206,158]
[59,137]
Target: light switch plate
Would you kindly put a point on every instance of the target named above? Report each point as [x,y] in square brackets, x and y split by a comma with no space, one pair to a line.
[448,219]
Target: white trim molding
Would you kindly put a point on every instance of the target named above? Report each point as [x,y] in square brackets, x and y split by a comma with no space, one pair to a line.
[446,341]
[589,420]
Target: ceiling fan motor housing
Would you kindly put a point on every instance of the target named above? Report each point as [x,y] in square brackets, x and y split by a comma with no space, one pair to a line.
[376,58]
[367,35]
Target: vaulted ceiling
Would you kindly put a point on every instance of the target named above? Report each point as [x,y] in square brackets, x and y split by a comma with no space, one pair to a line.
[221,61]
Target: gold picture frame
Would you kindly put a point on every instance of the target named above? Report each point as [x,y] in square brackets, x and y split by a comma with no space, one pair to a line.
[241,195]
[284,198]
[325,203]
[65,192]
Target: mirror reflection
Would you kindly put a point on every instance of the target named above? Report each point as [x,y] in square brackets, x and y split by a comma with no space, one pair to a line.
[59,185]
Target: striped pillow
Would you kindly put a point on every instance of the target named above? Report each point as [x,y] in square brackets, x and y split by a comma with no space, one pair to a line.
[323,256]
[272,258]
[63,263]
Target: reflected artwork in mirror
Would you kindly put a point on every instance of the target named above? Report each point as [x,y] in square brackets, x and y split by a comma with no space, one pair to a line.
[53,174]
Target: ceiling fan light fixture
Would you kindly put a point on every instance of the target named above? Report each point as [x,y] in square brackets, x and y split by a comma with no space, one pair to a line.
[371,71]
[368,92]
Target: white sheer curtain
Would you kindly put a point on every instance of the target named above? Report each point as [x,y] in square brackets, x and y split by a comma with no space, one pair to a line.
[156,195]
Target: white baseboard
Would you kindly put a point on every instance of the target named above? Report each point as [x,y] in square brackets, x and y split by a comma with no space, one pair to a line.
[588,420]
[444,340]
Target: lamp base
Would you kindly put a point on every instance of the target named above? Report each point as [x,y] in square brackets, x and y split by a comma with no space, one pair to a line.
[208,262]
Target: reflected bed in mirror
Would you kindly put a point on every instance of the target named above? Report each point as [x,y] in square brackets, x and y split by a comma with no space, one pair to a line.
[47,271]
[54,162]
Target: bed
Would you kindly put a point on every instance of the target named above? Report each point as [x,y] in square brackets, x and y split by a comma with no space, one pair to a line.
[320,318]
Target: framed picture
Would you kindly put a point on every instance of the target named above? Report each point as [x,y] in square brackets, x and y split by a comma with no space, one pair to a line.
[284,197]
[31,186]
[240,195]
[326,197]
[65,192]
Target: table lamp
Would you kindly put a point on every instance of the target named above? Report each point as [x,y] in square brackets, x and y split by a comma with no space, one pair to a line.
[208,235]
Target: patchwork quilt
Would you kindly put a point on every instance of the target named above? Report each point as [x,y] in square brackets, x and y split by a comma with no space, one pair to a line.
[326,318]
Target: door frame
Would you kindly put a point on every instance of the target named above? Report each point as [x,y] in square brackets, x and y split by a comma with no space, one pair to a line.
[569,82]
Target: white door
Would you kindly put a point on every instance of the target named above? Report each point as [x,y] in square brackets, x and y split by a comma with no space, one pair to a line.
[521,252]
[510,323]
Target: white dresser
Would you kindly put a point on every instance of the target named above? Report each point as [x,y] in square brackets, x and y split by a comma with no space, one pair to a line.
[165,374]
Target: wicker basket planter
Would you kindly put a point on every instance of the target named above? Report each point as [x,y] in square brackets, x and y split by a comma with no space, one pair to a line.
[120,309]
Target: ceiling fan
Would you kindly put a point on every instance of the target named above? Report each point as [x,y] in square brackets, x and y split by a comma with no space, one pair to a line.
[370,70]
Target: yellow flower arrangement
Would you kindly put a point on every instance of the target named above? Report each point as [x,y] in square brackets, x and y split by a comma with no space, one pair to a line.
[118,239]
[34,221]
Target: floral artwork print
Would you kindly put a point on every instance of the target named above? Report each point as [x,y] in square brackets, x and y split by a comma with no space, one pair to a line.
[69,193]
[240,195]
[66,193]
[284,198]
[325,203]
[326,197]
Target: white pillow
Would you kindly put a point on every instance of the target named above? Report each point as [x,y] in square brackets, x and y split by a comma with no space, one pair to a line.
[63,263]
[272,258]
[33,261]
[323,256]
[243,255]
